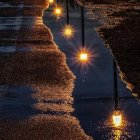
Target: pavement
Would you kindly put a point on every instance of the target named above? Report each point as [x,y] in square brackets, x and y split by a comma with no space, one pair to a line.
[35,81]
[37,87]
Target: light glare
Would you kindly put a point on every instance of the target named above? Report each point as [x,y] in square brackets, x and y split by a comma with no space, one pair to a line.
[51,1]
[68,31]
[117,120]
[57,11]
[83,57]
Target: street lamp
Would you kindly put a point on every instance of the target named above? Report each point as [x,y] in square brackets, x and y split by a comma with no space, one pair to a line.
[83,26]
[68,31]
[58,11]
[117,118]
[83,57]
[117,115]
[51,1]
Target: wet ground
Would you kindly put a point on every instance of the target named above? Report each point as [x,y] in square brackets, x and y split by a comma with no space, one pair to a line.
[43,105]
[35,83]
[94,89]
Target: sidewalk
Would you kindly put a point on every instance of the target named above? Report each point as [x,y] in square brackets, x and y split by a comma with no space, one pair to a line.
[35,83]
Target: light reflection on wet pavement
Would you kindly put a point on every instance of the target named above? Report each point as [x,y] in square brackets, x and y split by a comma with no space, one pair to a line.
[94,93]
[93,90]
[35,82]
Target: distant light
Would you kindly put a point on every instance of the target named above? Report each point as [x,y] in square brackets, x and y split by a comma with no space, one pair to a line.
[83,57]
[57,11]
[51,1]
[68,31]
[117,134]
[117,119]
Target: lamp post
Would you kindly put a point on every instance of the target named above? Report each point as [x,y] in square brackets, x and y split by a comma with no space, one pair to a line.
[115,84]
[68,30]
[117,114]
[67,5]
[83,26]
[84,55]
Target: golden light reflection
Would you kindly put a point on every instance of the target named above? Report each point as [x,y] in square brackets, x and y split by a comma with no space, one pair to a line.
[117,134]
[121,127]
[38,21]
[83,57]
[117,118]
[68,31]
[51,1]
[116,126]
[58,11]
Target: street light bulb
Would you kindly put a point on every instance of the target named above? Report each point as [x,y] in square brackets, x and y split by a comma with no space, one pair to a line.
[117,119]
[83,57]
[58,11]
[68,31]
[51,1]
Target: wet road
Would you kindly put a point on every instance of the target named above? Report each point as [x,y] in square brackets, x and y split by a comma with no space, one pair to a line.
[32,96]
[94,91]
[35,82]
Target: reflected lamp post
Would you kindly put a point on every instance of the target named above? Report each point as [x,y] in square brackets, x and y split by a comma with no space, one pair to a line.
[58,11]
[117,118]
[51,1]
[117,114]
[67,5]
[115,84]
[68,30]
[83,55]
[83,26]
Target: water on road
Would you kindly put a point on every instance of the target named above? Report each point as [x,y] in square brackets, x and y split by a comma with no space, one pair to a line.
[94,91]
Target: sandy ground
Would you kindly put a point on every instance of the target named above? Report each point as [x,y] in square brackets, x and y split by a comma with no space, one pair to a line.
[120,31]
[32,62]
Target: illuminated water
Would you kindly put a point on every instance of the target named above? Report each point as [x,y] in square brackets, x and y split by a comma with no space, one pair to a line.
[94,93]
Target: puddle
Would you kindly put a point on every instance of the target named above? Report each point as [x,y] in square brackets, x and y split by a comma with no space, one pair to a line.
[94,89]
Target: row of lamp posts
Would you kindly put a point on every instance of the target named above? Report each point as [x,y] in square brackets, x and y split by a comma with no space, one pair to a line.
[68,32]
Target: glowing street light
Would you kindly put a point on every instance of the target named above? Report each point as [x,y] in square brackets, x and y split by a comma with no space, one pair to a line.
[68,31]
[117,118]
[83,57]
[51,1]
[57,11]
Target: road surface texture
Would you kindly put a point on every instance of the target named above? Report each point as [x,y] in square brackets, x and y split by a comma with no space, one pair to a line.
[35,83]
